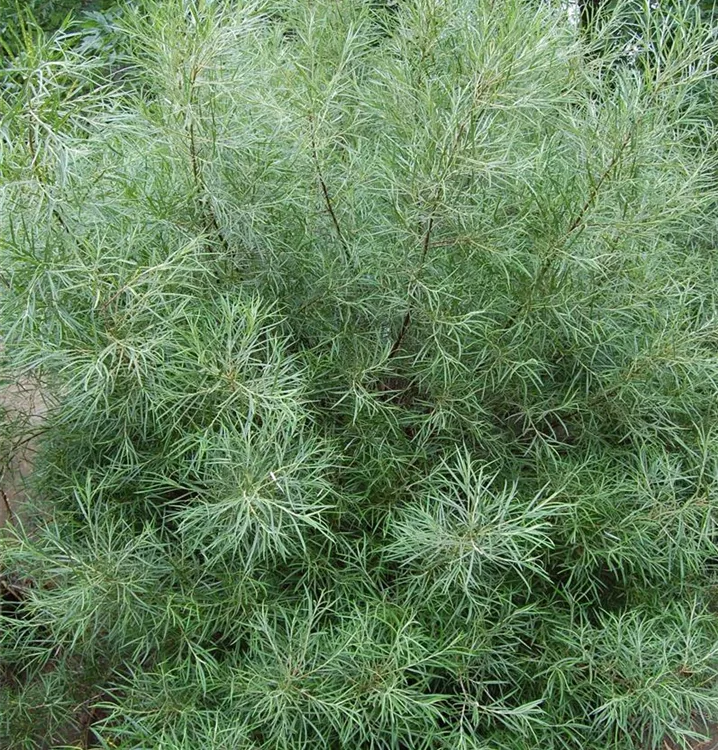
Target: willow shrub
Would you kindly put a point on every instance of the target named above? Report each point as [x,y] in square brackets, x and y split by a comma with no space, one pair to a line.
[379,344]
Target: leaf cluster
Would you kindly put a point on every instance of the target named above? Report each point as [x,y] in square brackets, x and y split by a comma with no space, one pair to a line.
[379,347]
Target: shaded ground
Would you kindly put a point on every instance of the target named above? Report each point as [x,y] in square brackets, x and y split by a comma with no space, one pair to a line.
[709,744]
[21,408]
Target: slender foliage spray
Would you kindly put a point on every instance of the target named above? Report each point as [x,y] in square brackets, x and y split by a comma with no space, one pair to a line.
[379,344]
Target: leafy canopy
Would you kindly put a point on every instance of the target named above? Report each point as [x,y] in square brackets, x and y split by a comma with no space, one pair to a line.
[379,348]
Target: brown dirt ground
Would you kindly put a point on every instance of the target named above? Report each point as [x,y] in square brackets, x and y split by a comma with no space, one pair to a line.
[710,744]
[22,403]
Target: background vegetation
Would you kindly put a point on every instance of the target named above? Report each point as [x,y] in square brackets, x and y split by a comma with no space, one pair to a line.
[48,15]
[380,348]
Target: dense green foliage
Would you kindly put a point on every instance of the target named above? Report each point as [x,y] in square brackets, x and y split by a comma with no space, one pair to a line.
[380,349]
[18,17]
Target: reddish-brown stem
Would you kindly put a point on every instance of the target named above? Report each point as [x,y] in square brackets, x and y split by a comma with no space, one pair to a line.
[6,505]
[580,216]
[406,323]
[210,218]
[325,191]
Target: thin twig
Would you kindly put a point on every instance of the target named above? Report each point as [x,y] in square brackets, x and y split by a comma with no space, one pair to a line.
[402,332]
[213,226]
[580,216]
[210,217]
[193,157]
[426,242]
[6,505]
[576,223]
[596,188]
[87,721]
[406,323]
[34,166]
[325,191]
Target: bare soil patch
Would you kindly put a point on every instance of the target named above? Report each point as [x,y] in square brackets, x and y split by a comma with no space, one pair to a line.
[22,406]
